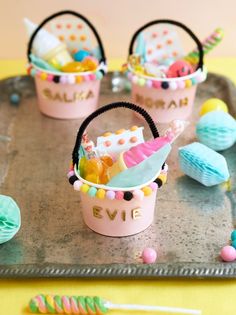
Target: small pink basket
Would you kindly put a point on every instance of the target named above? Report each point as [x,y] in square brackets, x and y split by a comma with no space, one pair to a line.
[67,95]
[166,99]
[112,216]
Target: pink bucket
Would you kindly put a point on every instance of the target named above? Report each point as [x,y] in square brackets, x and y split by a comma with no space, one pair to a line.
[68,101]
[166,98]
[116,211]
[67,95]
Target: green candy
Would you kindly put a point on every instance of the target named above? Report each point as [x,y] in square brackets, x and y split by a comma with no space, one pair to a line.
[33,306]
[100,304]
[90,303]
[50,308]
[81,302]
[58,301]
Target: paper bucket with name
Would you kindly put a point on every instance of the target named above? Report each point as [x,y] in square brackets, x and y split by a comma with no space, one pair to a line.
[121,200]
[161,82]
[67,88]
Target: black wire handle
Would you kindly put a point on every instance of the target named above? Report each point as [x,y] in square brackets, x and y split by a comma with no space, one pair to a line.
[103,56]
[184,27]
[85,123]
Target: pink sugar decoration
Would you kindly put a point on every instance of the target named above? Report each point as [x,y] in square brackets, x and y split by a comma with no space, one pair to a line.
[50,77]
[153,186]
[63,79]
[70,173]
[228,253]
[181,84]
[110,194]
[77,184]
[149,255]
[119,195]
[156,84]
[138,194]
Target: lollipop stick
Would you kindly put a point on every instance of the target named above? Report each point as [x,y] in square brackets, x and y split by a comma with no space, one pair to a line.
[135,307]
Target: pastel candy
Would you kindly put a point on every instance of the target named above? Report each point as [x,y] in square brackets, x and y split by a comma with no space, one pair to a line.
[81,54]
[203,164]
[217,130]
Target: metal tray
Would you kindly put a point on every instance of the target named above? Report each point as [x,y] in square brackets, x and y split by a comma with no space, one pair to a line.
[192,222]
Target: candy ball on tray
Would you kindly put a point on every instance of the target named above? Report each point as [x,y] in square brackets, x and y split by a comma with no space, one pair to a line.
[213,104]
[203,164]
[217,130]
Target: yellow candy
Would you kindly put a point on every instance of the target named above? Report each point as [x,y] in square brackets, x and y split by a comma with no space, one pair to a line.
[43,76]
[188,83]
[107,134]
[74,66]
[101,193]
[84,188]
[163,177]
[147,191]
[134,128]
[120,131]
[213,104]
[90,63]
[79,79]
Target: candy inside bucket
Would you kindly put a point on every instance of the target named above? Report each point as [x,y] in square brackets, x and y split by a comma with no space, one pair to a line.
[66,65]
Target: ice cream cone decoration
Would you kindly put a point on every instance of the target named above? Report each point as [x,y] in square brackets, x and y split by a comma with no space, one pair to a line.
[48,47]
[142,151]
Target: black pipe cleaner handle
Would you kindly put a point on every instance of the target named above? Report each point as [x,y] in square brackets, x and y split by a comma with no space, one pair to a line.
[184,27]
[30,44]
[85,123]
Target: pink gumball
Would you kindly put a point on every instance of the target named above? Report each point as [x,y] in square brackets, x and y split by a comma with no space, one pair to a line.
[179,68]
[149,255]
[228,253]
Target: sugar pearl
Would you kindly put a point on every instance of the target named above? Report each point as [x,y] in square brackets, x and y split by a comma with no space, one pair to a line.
[110,194]
[147,191]
[149,255]
[181,84]
[119,195]
[100,193]
[173,85]
[70,173]
[149,83]
[233,235]
[84,188]
[63,79]
[138,194]
[153,186]
[92,191]
[77,184]
[71,79]
[228,253]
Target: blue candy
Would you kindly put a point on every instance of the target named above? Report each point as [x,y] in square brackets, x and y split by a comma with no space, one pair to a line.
[81,54]
[233,235]
[15,98]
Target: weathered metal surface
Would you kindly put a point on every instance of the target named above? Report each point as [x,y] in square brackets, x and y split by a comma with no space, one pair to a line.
[192,222]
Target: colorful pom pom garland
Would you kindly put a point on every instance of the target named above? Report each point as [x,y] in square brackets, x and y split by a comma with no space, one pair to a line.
[64,78]
[167,83]
[110,194]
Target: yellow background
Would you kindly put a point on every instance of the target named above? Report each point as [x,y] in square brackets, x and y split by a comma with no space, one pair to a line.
[213,297]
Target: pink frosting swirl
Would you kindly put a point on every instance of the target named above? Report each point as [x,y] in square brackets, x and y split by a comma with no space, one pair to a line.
[140,152]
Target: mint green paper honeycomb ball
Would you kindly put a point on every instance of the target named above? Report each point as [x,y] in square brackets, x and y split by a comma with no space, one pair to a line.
[203,164]
[217,130]
[10,218]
